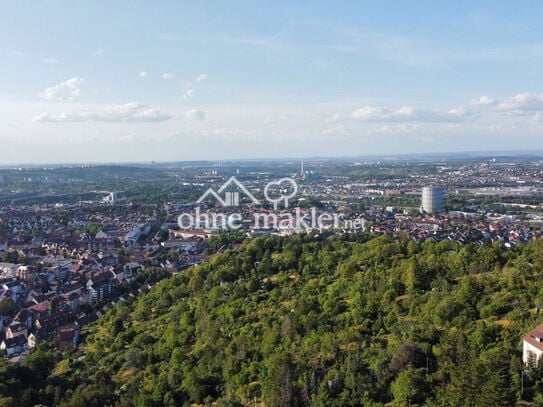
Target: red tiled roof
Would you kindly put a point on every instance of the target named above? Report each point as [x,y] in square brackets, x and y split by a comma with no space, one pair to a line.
[533,342]
[537,332]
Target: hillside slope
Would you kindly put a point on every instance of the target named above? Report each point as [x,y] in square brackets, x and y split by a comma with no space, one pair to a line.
[298,321]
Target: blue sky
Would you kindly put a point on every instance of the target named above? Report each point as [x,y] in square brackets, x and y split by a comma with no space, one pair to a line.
[169,80]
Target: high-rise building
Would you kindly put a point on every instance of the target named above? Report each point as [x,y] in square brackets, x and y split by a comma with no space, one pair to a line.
[432,199]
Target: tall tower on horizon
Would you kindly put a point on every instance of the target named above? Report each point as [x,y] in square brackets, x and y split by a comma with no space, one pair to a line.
[302,173]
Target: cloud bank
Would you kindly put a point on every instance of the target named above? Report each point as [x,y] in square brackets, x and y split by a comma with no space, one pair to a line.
[412,114]
[129,112]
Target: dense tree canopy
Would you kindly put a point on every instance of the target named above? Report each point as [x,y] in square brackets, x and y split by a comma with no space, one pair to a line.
[303,321]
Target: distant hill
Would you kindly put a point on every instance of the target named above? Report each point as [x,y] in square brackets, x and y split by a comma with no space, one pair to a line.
[86,172]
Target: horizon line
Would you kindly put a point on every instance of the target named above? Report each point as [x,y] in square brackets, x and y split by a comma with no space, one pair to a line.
[391,156]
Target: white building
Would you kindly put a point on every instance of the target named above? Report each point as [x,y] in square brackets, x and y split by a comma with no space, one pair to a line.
[432,199]
[14,346]
[8,269]
[102,235]
[111,198]
[532,347]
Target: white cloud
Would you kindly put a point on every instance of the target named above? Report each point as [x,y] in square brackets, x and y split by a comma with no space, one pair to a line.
[51,61]
[129,112]
[335,131]
[397,128]
[68,90]
[12,53]
[167,76]
[143,74]
[496,128]
[201,78]
[221,131]
[370,113]
[99,53]
[523,102]
[189,94]
[336,117]
[411,114]
[195,115]
[460,114]
[426,139]
[279,118]
[484,101]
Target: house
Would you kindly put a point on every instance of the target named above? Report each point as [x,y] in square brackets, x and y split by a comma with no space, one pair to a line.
[24,273]
[101,286]
[16,329]
[8,269]
[532,347]
[132,236]
[102,235]
[68,337]
[14,346]
[189,245]
[189,234]
[72,301]
[13,288]
[71,287]
[57,273]
[32,341]
[86,319]
[35,337]
[53,320]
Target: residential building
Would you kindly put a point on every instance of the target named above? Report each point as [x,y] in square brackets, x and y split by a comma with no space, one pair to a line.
[532,347]
[14,346]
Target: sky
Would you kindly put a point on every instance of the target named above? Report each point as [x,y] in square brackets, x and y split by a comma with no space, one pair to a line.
[125,81]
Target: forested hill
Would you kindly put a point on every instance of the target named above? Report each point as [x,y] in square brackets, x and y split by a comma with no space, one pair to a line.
[297,321]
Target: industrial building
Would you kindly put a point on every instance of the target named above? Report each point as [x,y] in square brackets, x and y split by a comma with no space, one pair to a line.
[432,199]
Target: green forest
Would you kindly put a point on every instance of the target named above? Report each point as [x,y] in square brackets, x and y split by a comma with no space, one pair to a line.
[310,321]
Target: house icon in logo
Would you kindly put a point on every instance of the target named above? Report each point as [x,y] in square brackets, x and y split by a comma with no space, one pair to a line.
[231,189]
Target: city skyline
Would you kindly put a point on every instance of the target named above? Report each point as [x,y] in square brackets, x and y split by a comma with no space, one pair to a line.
[134,82]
